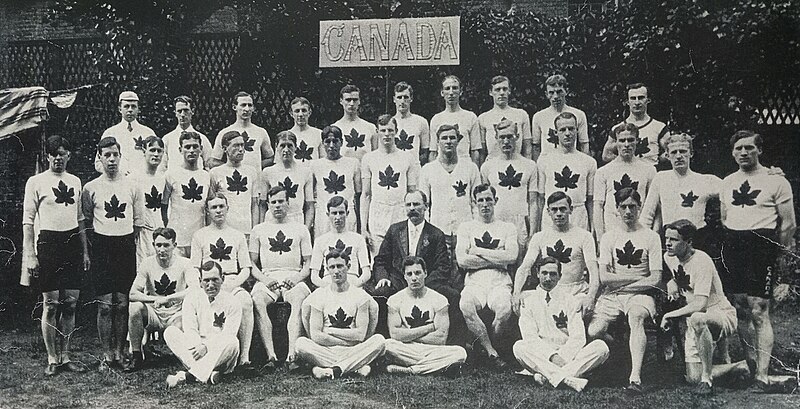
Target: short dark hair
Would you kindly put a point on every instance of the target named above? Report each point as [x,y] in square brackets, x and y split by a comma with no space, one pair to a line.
[286,135]
[335,202]
[107,142]
[633,129]
[448,127]
[336,253]
[559,195]
[386,119]
[186,135]
[275,190]
[627,193]
[402,86]
[228,137]
[211,265]
[744,133]
[482,188]
[165,232]
[543,261]
[685,229]
[566,115]
[332,130]
[348,89]
[505,123]
[498,79]
[185,99]
[153,140]
[301,100]
[636,85]
[241,94]
[54,142]
[414,260]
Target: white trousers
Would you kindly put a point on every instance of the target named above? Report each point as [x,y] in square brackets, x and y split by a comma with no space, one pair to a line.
[424,358]
[348,359]
[590,357]
[223,352]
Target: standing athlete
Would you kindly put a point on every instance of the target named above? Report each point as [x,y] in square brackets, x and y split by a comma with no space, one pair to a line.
[465,122]
[500,91]
[257,146]
[413,133]
[545,137]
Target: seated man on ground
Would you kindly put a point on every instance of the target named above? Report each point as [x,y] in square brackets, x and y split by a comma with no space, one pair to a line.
[207,345]
[418,324]
[340,317]
[553,345]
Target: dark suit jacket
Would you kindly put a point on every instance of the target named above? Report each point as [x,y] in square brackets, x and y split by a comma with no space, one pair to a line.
[431,247]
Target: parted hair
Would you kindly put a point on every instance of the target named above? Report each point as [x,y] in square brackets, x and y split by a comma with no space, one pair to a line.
[54,142]
[685,229]
[626,193]
[332,130]
[107,142]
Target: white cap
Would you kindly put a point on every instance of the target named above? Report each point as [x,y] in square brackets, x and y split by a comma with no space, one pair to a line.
[128,96]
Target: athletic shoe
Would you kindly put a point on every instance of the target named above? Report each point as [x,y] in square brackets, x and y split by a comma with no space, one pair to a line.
[364,371]
[136,363]
[539,379]
[73,367]
[106,365]
[397,369]
[178,379]
[704,389]
[323,374]
[575,383]
[452,371]
[51,369]
[497,363]
[634,388]
[246,370]
[215,377]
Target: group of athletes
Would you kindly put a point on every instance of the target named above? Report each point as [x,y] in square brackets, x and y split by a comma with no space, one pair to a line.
[447,218]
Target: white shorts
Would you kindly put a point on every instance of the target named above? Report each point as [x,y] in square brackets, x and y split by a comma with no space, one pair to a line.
[724,316]
[610,306]
[160,320]
[279,276]
[488,286]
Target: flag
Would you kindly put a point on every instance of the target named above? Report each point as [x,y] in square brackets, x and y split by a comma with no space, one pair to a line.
[21,109]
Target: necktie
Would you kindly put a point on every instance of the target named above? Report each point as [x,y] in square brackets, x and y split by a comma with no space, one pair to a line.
[130,127]
[547,297]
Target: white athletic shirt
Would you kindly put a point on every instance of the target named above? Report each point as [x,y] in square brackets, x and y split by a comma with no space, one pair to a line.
[239,185]
[152,189]
[650,135]
[210,319]
[543,128]
[187,191]
[449,193]
[131,146]
[751,199]
[339,309]
[698,276]
[115,206]
[572,173]
[298,181]
[492,236]
[575,249]
[173,158]
[350,242]
[226,246]
[468,127]
[309,144]
[416,312]
[335,178]
[489,119]
[631,253]
[153,279]
[413,133]
[615,176]
[679,197]
[390,174]
[255,138]
[555,326]
[281,247]
[55,200]
[512,179]
[357,137]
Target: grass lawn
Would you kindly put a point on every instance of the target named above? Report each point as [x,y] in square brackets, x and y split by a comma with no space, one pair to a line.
[23,384]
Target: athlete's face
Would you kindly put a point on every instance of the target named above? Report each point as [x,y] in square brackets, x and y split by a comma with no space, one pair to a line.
[415,276]
[190,149]
[746,152]
[218,209]
[235,149]
[626,144]
[286,148]
[448,141]
[560,212]
[387,133]
[402,101]
[548,276]
[485,201]
[451,91]
[679,154]
[507,140]
[333,147]
[337,268]
[415,207]
[58,162]
[556,94]
[278,205]
[211,281]
[153,154]
[300,113]
[110,157]
[500,93]
[350,102]
[338,216]
[183,112]
[629,211]
[164,248]
[129,110]
[567,132]
[675,244]
[637,100]
[244,108]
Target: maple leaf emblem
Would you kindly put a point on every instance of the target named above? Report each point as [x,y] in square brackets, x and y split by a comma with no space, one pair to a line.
[682,279]
[192,191]
[744,197]
[487,241]
[340,246]
[236,183]
[219,251]
[64,194]
[510,178]
[625,182]
[139,144]
[642,147]
[388,178]
[461,188]
[560,252]
[334,183]
[687,200]
[340,320]
[248,142]
[303,152]
[552,137]
[219,319]
[152,200]
[280,244]
[354,139]
[289,187]
[566,179]
[404,141]
[561,320]
[164,286]
[114,209]
[629,256]
[418,318]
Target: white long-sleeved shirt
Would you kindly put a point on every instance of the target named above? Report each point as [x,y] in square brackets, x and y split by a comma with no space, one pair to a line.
[556,327]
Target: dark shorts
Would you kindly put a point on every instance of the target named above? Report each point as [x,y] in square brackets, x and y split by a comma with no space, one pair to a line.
[748,260]
[60,255]
[113,263]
